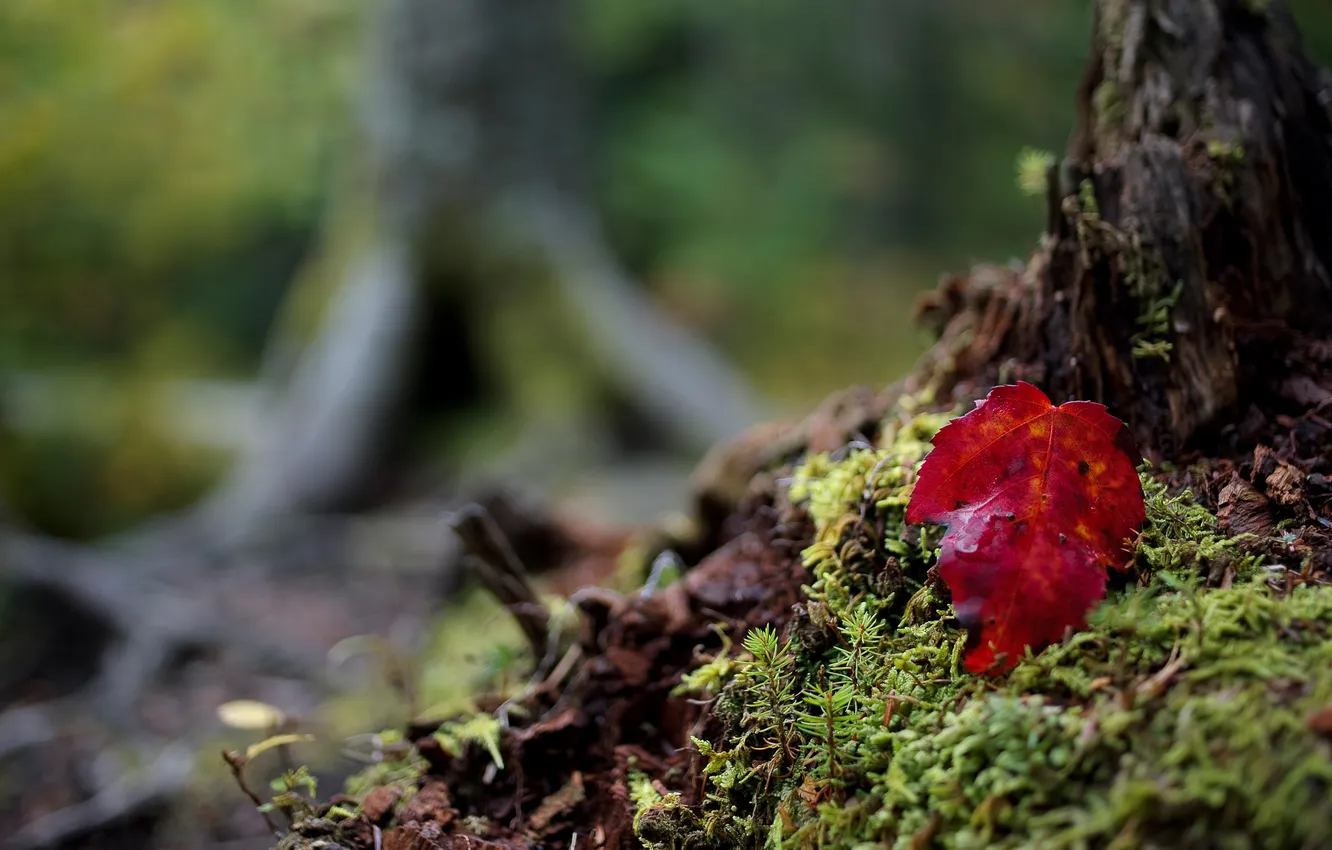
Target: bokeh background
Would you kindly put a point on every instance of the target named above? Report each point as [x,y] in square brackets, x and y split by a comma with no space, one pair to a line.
[781,177]
[200,199]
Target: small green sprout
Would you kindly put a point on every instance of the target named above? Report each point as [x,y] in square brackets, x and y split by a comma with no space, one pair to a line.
[1033,171]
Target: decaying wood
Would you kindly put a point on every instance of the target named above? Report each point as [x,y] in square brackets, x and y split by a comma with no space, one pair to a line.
[1201,164]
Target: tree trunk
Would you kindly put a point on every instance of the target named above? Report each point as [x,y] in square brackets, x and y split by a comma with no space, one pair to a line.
[477,165]
[1184,278]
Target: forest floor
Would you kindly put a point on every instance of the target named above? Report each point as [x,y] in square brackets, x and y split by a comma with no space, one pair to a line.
[788,670]
[641,721]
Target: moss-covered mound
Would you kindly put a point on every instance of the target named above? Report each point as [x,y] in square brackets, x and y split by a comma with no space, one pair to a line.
[802,686]
[1187,714]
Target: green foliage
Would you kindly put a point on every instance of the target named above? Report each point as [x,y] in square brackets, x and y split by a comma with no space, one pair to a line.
[1226,158]
[162,170]
[1181,537]
[768,680]
[1108,102]
[483,729]
[709,678]
[779,168]
[1155,325]
[661,822]
[1176,717]
[1178,709]
[1033,171]
[296,793]
[641,792]
[1143,270]
[855,663]
[1087,200]
[475,647]
[394,763]
[155,147]
[842,495]
[82,485]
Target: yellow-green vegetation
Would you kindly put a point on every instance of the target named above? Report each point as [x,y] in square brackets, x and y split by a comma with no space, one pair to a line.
[1033,171]
[709,678]
[1154,324]
[296,793]
[147,144]
[1145,275]
[395,763]
[652,807]
[1226,158]
[476,646]
[866,485]
[1178,717]
[162,168]
[1108,102]
[110,462]
[482,729]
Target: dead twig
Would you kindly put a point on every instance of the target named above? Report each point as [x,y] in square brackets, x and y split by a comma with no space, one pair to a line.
[237,762]
[496,565]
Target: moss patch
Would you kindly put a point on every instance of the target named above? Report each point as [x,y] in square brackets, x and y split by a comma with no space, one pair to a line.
[1177,718]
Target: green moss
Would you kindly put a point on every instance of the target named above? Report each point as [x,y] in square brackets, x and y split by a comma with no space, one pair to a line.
[1176,718]
[1108,103]
[481,729]
[295,794]
[641,793]
[848,498]
[1154,325]
[475,646]
[1227,152]
[1226,157]
[1181,537]
[711,676]
[1139,264]
[1087,200]
[661,821]
[1178,714]
[1113,18]
[393,763]
[831,488]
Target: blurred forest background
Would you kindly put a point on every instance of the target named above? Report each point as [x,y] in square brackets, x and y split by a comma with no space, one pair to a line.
[782,177]
[272,259]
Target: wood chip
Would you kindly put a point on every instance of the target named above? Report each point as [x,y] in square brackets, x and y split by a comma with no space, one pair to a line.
[1243,510]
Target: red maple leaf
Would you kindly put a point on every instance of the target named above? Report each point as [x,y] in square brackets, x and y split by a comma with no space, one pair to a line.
[1039,500]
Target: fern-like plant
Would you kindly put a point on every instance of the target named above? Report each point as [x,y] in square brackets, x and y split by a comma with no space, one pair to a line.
[771,704]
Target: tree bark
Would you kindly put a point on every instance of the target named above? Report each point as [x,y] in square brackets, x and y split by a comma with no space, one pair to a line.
[1184,278]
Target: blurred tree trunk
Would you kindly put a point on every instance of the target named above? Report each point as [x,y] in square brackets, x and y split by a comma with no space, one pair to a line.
[1185,276]
[477,164]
